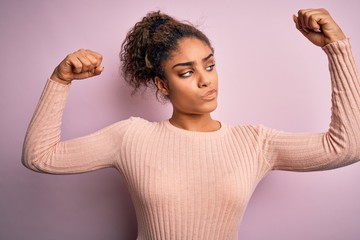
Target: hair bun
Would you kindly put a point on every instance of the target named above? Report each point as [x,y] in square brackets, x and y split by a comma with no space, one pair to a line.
[157,23]
[155,20]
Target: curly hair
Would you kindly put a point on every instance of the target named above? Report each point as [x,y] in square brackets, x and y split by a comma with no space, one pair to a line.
[149,44]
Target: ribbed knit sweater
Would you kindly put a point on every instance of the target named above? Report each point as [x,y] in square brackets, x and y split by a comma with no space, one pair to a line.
[196,185]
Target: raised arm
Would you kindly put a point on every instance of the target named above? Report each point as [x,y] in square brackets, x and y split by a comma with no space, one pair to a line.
[43,151]
[340,145]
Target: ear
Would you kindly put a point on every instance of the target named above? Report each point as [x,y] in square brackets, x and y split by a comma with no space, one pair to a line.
[161,85]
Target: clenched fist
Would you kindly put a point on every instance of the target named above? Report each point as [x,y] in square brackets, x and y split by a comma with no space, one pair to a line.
[318,26]
[78,65]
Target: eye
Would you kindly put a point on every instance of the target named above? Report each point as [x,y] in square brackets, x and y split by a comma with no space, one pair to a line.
[186,74]
[210,67]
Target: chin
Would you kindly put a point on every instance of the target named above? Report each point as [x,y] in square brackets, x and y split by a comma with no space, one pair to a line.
[210,107]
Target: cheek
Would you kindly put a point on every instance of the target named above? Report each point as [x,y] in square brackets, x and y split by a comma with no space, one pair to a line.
[182,93]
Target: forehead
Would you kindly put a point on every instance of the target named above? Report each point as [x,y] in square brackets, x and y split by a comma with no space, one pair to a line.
[190,49]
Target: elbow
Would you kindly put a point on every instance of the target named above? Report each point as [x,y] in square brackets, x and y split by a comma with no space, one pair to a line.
[25,158]
[345,150]
[29,164]
[29,160]
[351,154]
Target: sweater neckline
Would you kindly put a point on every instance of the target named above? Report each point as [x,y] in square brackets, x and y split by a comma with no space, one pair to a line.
[181,131]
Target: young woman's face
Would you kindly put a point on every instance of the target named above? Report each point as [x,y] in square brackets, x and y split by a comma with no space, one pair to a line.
[192,81]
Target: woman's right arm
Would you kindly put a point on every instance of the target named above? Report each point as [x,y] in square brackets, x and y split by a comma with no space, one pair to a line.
[43,151]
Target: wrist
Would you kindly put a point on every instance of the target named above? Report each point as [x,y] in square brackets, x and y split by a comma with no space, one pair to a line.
[56,78]
[338,36]
[59,80]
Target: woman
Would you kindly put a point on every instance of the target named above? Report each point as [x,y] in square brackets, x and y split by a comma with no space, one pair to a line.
[191,177]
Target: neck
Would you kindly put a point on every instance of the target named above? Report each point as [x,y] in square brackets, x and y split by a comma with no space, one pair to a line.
[195,122]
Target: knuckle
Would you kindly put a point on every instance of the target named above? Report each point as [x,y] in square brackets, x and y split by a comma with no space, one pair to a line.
[92,59]
[78,67]
[81,52]
[86,65]
[97,56]
[324,10]
[301,12]
[307,14]
[69,56]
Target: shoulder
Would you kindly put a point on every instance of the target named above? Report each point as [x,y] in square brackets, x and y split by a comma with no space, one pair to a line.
[254,133]
[138,124]
[128,124]
[141,122]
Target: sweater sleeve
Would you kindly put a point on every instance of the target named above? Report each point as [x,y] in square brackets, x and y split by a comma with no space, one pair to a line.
[43,150]
[340,145]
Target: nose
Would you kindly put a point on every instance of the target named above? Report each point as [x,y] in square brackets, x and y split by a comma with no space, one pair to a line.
[203,80]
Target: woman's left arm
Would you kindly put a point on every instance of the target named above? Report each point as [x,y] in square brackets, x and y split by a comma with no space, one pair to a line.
[340,145]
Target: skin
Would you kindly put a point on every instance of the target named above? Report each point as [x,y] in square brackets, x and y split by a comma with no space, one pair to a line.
[190,72]
[191,85]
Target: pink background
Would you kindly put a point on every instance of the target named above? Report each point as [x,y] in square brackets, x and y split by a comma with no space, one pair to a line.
[269,74]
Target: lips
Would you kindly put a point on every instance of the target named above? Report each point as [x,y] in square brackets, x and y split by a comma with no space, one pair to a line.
[209,95]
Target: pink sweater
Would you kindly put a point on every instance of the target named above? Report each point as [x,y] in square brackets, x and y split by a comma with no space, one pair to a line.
[196,185]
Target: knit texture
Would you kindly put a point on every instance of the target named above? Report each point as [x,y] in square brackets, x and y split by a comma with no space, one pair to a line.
[196,185]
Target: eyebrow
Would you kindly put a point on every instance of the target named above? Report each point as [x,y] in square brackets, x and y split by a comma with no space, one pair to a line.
[192,62]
